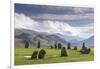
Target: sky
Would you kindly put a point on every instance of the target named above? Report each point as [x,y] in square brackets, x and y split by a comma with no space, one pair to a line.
[67,21]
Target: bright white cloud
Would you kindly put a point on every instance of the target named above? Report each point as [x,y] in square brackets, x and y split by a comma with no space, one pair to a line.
[22,21]
[83,30]
[25,22]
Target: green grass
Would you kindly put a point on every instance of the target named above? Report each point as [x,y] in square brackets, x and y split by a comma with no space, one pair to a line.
[74,56]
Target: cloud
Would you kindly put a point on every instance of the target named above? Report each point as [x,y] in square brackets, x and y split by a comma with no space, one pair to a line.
[50,26]
[46,12]
[30,9]
[22,21]
[85,30]
[62,17]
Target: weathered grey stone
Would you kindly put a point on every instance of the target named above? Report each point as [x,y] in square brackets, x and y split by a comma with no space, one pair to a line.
[41,54]
[63,52]
[34,55]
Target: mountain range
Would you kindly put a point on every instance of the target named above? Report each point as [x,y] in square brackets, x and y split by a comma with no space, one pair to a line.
[46,39]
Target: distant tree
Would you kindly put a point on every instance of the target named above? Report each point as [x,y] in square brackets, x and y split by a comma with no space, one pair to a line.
[27,44]
[75,48]
[38,45]
[59,45]
[55,45]
[69,45]
[63,52]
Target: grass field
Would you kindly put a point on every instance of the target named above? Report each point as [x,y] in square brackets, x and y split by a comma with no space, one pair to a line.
[74,56]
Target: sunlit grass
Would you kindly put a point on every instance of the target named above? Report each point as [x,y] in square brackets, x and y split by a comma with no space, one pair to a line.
[73,56]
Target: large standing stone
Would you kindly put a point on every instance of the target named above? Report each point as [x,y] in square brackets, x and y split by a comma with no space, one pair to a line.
[34,55]
[41,54]
[63,52]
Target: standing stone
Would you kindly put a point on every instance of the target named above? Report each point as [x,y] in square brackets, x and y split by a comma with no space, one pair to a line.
[38,45]
[59,45]
[86,51]
[41,54]
[34,55]
[55,45]
[27,44]
[63,52]
[51,47]
[83,46]
[75,48]
[69,46]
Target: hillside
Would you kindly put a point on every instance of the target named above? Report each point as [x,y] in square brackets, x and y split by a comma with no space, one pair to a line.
[22,35]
